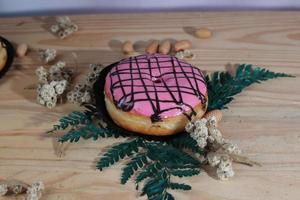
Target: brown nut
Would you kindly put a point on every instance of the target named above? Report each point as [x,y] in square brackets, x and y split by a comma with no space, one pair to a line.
[152,47]
[203,33]
[164,47]
[22,50]
[216,113]
[182,45]
[127,47]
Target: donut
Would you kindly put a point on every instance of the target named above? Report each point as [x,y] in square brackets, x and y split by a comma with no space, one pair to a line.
[154,94]
[3,56]
[7,53]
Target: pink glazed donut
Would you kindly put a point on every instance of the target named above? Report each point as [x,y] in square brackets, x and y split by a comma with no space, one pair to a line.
[155,94]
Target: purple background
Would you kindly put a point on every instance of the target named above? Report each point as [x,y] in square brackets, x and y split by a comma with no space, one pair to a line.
[51,7]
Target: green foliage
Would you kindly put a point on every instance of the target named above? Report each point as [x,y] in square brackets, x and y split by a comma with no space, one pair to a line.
[154,160]
[179,186]
[148,171]
[185,141]
[136,162]
[76,118]
[222,86]
[119,151]
[166,160]
[185,172]
[86,132]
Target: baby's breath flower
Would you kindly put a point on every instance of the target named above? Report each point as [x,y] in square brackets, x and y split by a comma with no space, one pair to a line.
[47,55]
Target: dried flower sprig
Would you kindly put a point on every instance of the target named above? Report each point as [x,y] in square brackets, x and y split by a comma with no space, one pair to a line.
[15,187]
[53,83]
[64,27]
[221,153]
[82,92]
[185,54]
[47,55]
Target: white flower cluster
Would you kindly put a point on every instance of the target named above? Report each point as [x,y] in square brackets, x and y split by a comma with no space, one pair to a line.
[208,136]
[64,27]
[82,93]
[47,55]
[188,54]
[198,131]
[223,163]
[52,83]
[35,191]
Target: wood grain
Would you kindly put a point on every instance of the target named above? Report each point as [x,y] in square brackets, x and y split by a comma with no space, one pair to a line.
[264,120]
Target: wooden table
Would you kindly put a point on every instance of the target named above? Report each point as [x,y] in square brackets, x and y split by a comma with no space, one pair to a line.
[264,120]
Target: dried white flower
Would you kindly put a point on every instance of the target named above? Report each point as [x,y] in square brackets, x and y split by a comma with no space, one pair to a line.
[47,55]
[53,83]
[54,28]
[213,159]
[82,92]
[59,86]
[212,121]
[215,135]
[185,54]
[42,74]
[3,189]
[224,170]
[34,192]
[231,148]
[94,73]
[224,175]
[200,132]
[189,127]
[64,27]
[47,92]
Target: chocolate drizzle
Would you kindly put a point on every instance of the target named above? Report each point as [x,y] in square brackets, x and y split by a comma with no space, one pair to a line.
[135,72]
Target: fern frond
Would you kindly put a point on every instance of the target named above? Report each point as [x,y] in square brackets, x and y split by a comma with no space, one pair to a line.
[86,132]
[185,172]
[156,185]
[73,119]
[185,141]
[222,86]
[119,151]
[136,162]
[170,156]
[149,171]
[179,186]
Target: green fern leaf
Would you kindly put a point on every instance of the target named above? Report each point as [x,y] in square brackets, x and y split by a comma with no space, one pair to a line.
[185,172]
[85,132]
[136,162]
[222,86]
[185,141]
[119,151]
[171,156]
[156,185]
[179,186]
[73,119]
[149,171]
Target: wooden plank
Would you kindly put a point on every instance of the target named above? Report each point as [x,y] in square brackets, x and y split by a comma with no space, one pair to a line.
[264,120]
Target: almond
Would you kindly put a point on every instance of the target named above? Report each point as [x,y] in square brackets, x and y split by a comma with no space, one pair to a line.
[182,45]
[203,33]
[22,50]
[127,47]
[216,113]
[164,47]
[152,47]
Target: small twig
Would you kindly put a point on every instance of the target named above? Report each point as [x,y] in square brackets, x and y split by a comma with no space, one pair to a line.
[244,160]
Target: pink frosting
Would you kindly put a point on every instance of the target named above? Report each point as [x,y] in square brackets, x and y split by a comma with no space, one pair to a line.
[159,85]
